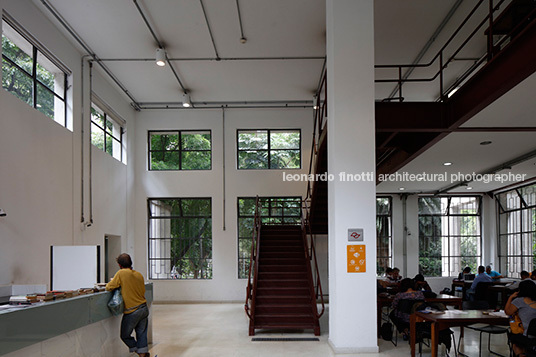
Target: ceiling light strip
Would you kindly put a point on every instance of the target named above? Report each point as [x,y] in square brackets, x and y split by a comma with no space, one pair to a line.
[209,29]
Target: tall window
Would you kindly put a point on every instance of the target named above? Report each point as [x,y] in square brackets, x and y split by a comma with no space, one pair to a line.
[106,133]
[180,150]
[449,234]
[517,230]
[180,238]
[269,149]
[274,210]
[384,241]
[32,74]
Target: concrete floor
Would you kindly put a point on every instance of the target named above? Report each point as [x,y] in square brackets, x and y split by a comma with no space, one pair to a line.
[222,330]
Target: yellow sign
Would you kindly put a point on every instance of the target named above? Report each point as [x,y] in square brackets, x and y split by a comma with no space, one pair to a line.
[357,258]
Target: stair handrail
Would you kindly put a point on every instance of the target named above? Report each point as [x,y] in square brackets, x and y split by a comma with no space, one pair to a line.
[443,64]
[251,290]
[310,254]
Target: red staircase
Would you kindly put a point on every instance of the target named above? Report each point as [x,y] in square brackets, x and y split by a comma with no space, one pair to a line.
[282,294]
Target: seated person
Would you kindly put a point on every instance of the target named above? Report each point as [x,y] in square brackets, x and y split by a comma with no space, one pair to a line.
[522,302]
[482,277]
[466,270]
[524,275]
[400,314]
[395,276]
[421,284]
[493,274]
[533,275]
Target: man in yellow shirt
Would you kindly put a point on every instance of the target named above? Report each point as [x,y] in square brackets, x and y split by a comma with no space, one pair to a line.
[136,312]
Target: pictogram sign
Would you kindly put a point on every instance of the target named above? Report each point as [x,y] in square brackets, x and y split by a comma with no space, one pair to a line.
[356,258]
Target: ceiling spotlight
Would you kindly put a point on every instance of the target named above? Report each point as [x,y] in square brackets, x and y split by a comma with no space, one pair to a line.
[160,57]
[315,102]
[186,102]
[468,188]
[447,163]
[401,189]
[487,142]
[243,40]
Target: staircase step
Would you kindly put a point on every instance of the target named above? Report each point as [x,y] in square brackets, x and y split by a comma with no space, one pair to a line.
[281,249]
[282,268]
[282,283]
[282,243]
[281,291]
[286,319]
[273,255]
[268,309]
[283,275]
[282,300]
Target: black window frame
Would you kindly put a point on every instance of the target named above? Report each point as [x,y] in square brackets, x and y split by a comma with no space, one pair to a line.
[448,256]
[525,260]
[108,117]
[36,83]
[151,218]
[268,149]
[180,150]
[383,261]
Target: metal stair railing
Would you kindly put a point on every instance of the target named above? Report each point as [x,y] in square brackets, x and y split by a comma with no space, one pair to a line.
[251,289]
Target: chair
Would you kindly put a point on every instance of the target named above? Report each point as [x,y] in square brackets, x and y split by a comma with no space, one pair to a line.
[404,306]
[484,300]
[526,342]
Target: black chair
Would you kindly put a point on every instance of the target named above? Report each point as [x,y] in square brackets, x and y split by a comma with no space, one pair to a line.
[484,299]
[528,342]
[404,306]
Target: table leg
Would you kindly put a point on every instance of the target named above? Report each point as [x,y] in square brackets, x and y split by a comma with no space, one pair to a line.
[412,331]
[435,338]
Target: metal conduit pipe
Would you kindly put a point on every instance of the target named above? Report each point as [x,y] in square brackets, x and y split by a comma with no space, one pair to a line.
[160,45]
[243,38]
[82,219]
[209,29]
[88,50]
[215,59]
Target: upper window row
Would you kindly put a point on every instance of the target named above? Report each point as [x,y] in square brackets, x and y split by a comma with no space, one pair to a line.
[32,74]
[192,150]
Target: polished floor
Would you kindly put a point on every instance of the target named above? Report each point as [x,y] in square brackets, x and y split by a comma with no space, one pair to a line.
[221,330]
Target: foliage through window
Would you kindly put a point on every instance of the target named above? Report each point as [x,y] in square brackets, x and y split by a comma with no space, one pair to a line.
[449,234]
[180,150]
[106,133]
[517,230]
[180,238]
[384,241]
[269,149]
[32,76]
[274,210]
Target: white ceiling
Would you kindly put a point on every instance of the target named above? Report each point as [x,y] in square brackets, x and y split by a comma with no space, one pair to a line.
[296,28]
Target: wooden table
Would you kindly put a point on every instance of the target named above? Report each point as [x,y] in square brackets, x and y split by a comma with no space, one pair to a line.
[387,300]
[450,318]
[466,284]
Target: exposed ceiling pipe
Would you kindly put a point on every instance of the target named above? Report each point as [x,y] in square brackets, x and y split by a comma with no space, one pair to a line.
[209,30]
[160,45]
[503,166]
[88,50]
[428,45]
[216,59]
[243,38]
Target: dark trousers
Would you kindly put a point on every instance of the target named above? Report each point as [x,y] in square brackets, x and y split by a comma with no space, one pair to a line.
[135,321]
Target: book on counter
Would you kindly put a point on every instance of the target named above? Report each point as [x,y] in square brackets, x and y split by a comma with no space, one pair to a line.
[19,300]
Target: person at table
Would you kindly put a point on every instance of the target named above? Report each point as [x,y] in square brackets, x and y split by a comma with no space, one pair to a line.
[524,275]
[421,284]
[395,276]
[493,274]
[400,314]
[522,302]
[466,270]
[482,277]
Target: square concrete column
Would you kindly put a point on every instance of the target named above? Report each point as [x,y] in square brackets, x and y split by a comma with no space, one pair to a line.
[352,186]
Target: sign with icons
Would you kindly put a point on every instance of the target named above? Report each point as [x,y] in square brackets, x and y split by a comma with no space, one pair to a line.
[355,235]
[356,258]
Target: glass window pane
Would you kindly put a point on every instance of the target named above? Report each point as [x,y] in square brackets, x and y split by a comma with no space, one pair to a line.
[165,160]
[45,101]
[285,159]
[17,82]
[50,75]
[252,159]
[196,140]
[164,141]
[254,139]
[288,139]
[196,160]
[97,136]
[17,48]
[431,205]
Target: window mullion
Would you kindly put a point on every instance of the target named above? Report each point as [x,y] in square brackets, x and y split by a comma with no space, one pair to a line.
[34,76]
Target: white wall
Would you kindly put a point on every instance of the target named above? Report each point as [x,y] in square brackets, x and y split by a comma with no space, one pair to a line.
[40,169]
[225,285]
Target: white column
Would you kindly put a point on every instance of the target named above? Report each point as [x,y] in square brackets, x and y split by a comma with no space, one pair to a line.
[351,150]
